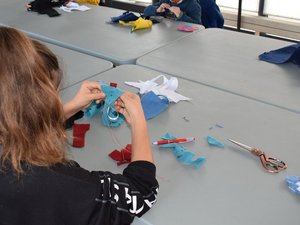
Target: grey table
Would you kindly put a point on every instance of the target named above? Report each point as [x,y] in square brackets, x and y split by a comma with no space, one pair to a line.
[231,187]
[229,61]
[89,32]
[77,66]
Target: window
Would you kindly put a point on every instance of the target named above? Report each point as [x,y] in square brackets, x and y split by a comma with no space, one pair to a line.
[287,8]
[249,5]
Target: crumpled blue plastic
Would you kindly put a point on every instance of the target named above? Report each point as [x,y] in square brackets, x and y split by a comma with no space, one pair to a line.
[107,107]
[282,55]
[93,109]
[153,104]
[293,183]
[182,154]
[126,17]
[214,142]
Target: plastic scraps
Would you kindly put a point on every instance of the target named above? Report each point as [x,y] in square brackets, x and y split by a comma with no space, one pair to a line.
[293,183]
[217,125]
[187,28]
[214,142]
[290,53]
[166,88]
[110,117]
[153,105]
[182,154]
[126,17]
[138,24]
[123,156]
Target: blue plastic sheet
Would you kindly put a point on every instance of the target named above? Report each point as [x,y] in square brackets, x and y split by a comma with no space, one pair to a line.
[214,142]
[110,117]
[182,154]
[293,183]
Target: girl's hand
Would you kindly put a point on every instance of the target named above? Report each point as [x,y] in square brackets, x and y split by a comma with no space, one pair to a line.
[129,104]
[88,92]
[162,8]
[176,10]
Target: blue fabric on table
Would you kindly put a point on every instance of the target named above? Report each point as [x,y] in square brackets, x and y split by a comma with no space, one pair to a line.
[182,154]
[282,55]
[126,17]
[153,105]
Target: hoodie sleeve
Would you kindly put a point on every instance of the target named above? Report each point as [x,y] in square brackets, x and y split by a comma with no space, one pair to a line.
[125,196]
[192,14]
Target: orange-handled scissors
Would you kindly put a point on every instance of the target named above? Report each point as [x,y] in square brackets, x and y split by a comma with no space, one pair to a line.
[271,164]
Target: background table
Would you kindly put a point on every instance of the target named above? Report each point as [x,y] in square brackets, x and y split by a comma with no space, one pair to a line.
[77,66]
[231,187]
[229,61]
[89,32]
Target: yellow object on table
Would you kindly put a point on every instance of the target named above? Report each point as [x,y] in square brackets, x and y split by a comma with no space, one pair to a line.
[92,2]
[140,23]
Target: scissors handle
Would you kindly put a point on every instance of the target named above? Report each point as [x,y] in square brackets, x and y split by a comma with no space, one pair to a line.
[271,164]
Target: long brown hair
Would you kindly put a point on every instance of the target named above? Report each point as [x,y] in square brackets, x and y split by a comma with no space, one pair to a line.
[51,62]
[31,113]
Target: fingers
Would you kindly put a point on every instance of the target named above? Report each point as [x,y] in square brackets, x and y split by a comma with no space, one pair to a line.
[92,85]
[128,97]
[98,97]
[94,91]
[165,5]
[120,107]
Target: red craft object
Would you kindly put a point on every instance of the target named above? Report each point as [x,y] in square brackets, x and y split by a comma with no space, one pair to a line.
[123,156]
[112,84]
[79,131]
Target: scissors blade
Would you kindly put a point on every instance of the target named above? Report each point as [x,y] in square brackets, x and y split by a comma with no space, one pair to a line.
[241,145]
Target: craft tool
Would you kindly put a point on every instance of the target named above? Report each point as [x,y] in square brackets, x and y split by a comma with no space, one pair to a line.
[178,140]
[270,164]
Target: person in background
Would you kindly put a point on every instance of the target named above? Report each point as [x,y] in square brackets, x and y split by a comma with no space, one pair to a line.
[39,183]
[181,10]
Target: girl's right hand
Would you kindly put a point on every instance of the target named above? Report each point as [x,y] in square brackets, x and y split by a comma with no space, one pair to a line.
[88,92]
[129,104]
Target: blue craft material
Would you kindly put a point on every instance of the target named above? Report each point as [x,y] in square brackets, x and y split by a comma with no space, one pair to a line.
[112,94]
[282,55]
[213,141]
[93,109]
[153,105]
[108,108]
[126,17]
[183,155]
[292,183]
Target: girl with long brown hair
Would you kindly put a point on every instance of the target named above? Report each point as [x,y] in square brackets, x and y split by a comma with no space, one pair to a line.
[38,183]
